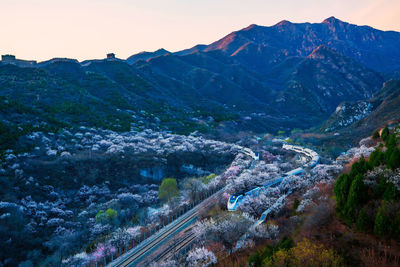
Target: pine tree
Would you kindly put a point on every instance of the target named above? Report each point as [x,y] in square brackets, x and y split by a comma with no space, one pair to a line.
[357,196]
[385,133]
[376,158]
[394,159]
[380,188]
[375,135]
[363,221]
[390,192]
[391,141]
[382,222]
[341,189]
[359,167]
[395,227]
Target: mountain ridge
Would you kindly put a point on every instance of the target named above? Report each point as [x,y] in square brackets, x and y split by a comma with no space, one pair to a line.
[299,39]
[291,73]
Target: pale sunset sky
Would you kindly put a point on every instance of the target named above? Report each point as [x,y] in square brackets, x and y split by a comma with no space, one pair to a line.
[88,29]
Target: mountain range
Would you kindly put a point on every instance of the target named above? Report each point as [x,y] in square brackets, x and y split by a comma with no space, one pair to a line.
[263,79]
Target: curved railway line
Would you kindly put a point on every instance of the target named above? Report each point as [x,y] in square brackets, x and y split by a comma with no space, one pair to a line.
[137,254]
[235,199]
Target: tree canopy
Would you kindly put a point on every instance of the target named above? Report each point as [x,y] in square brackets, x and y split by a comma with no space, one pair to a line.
[168,189]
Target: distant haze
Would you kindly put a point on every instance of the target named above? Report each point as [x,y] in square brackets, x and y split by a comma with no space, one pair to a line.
[88,29]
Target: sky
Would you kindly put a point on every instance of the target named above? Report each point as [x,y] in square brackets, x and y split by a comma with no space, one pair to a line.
[88,29]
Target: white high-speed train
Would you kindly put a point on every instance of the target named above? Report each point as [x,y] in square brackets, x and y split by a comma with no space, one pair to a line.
[234,200]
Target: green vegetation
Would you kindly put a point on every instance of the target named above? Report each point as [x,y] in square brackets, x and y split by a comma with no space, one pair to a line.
[106,216]
[207,179]
[296,203]
[355,202]
[356,197]
[385,133]
[375,135]
[363,222]
[11,132]
[382,222]
[108,97]
[258,259]
[281,133]
[168,189]
[296,130]
[304,253]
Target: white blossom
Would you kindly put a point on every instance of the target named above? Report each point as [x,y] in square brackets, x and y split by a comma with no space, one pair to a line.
[200,257]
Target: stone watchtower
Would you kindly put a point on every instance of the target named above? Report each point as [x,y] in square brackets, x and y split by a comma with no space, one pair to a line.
[110,56]
[8,58]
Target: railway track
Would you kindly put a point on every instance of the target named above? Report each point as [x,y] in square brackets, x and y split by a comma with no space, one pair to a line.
[131,258]
[135,255]
[171,251]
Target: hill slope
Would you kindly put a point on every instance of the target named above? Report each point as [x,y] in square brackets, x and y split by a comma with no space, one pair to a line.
[259,47]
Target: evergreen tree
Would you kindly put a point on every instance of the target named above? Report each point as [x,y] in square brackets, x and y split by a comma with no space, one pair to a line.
[391,141]
[382,222]
[385,133]
[380,188]
[393,161]
[375,135]
[359,167]
[376,158]
[390,192]
[363,222]
[395,227]
[341,189]
[357,196]
[255,260]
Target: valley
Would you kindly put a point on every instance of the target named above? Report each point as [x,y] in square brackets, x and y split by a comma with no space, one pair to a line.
[270,141]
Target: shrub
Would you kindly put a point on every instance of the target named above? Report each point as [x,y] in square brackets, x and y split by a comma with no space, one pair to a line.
[320,216]
[168,189]
[284,244]
[111,214]
[100,216]
[255,260]
[296,204]
[108,215]
[375,135]
[305,253]
[207,179]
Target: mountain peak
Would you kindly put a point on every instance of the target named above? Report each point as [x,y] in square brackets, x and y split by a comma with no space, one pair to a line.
[251,26]
[161,50]
[147,55]
[283,23]
[332,20]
